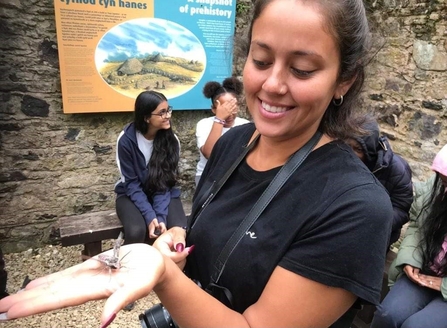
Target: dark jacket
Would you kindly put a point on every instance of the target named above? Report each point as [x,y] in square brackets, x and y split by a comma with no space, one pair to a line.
[3,276]
[393,172]
[133,168]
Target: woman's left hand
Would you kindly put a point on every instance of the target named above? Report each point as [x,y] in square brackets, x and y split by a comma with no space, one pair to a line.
[172,244]
[432,282]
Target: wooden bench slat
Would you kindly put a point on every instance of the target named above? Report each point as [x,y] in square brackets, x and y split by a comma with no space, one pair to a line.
[89,227]
[92,228]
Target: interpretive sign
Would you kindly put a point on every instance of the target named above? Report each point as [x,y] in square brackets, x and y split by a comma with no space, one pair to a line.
[112,50]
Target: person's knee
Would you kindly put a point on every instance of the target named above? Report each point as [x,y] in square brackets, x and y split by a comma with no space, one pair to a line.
[425,318]
[385,316]
[413,322]
[135,234]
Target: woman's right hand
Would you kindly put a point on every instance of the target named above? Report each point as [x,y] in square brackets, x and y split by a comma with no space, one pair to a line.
[412,273]
[172,244]
[156,229]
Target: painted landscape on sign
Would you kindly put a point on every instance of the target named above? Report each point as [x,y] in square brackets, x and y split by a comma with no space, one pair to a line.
[150,54]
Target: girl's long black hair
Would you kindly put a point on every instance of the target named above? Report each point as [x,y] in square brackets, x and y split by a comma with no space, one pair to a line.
[434,229]
[163,164]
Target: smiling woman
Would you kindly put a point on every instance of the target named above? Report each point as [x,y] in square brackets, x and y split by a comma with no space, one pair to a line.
[302,262]
[147,155]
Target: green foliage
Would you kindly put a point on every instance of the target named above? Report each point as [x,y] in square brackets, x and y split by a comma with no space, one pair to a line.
[242,7]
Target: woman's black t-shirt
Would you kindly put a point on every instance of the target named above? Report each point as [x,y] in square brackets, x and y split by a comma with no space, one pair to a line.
[330,222]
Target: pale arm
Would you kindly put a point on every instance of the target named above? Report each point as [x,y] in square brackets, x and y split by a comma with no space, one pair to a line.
[215,134]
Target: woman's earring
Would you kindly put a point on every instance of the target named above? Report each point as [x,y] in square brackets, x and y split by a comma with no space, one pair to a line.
[337,103]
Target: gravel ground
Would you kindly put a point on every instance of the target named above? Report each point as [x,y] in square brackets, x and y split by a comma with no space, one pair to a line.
[41,261]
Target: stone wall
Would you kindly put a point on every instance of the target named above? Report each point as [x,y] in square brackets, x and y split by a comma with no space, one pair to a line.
[407,84]
[53,164]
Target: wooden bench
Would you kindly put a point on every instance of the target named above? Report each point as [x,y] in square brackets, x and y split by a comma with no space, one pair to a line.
[92,228]
[365,315]
[89,229]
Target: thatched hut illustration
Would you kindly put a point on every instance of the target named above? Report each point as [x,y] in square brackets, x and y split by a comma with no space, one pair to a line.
[130,67]
[156,58]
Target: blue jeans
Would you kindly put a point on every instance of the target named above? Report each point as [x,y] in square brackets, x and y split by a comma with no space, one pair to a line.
[408,305]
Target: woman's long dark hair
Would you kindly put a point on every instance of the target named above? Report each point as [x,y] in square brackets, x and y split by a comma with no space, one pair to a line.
[163,164]
[434,229]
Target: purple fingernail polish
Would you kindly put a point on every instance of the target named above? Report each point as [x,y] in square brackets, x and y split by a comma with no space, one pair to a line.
[3,316]
[179,248]
[109,321]
[191,249]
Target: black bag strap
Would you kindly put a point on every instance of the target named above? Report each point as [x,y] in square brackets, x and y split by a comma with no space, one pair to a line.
[278,181]
[214,189]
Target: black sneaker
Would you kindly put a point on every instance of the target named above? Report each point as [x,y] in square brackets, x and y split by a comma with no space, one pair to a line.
[26,281]
[129,307]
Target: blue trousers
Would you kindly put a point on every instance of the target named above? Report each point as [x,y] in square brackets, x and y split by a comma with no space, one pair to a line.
[408,305]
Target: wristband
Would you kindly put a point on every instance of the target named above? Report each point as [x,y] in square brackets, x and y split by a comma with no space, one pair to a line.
[218,120]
